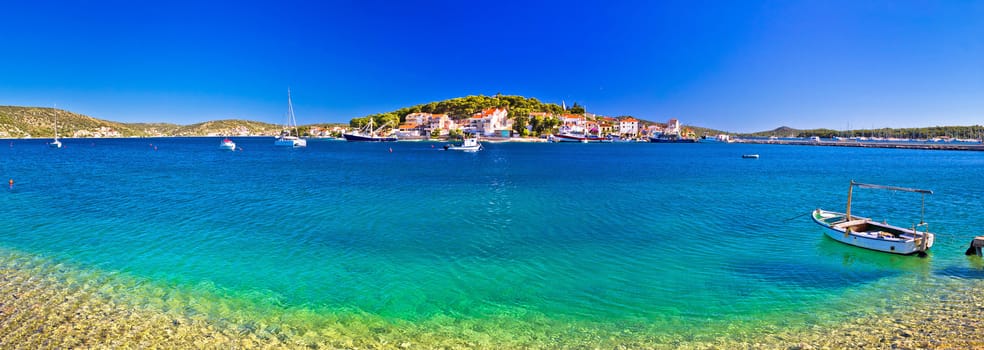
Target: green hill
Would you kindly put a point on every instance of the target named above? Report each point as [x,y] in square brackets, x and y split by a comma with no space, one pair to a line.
[463,107]
[39,122]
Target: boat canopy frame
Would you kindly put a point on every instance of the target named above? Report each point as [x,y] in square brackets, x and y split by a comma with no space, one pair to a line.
[850,192]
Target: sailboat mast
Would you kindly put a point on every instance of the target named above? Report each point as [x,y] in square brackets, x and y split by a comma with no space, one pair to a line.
[55,111]
[290,114]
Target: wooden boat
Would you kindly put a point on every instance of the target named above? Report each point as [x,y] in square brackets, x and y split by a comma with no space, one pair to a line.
[866,233]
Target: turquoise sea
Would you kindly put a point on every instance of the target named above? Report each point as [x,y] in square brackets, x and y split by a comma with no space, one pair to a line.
[520,244]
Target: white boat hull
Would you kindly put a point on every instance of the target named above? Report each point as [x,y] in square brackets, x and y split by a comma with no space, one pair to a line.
[227,146]
[465,148]
[874,237]
[469,145]
[290,142]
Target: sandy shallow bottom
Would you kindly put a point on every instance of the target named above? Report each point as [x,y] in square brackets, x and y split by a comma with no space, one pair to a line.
[47,305]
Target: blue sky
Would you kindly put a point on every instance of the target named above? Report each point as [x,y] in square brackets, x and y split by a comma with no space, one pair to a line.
[736,66]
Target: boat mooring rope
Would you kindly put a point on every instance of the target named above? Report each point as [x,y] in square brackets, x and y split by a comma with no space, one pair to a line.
[797,216]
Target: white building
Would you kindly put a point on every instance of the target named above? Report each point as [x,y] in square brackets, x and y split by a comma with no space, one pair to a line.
[488,122]
[628,126]
[573,123]
[672,127]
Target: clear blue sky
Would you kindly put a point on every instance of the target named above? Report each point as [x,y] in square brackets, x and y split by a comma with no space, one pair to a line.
[737,66]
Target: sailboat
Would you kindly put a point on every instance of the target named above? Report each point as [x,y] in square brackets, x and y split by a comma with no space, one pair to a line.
[286,139]
[880,236]
[55,143]
[367,133]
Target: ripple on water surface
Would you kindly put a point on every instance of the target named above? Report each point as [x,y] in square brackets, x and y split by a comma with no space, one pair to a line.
[516,242]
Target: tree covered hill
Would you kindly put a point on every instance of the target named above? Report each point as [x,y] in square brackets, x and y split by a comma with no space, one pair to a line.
[519,108]
[463,107]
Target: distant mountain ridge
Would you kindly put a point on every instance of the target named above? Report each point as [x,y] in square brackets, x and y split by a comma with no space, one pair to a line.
[959,132]
[39,122]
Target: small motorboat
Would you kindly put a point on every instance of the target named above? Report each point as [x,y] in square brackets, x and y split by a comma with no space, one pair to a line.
[469,145]
[227,145]
[750,156]
[880,236]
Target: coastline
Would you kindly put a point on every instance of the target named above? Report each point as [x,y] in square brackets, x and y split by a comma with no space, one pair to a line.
[863,144]
[51,305]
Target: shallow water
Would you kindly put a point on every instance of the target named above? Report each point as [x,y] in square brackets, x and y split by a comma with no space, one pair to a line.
[522,244]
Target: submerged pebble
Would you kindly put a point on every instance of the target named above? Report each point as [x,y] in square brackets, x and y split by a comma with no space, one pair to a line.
[37,310]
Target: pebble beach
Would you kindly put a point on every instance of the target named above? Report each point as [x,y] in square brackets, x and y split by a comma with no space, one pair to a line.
[45,305]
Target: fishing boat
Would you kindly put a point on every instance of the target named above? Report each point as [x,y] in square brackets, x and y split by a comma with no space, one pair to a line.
[750,156]
[880,236]
[469,145]
[672,138]
[286,139]
[368,134]
[570,137]
[578,137]
[55,143]
[227,145]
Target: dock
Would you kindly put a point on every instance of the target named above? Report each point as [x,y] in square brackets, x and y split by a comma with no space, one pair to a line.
[946,146]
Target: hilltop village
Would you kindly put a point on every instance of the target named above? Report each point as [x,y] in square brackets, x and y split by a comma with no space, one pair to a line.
[496,123]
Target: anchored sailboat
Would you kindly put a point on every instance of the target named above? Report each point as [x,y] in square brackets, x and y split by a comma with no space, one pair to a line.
[286,139]
[55,143]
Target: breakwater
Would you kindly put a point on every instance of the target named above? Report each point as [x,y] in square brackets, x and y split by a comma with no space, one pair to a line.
[872,144]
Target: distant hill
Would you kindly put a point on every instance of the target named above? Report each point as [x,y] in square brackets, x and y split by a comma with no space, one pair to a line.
[702,131]
[961,132]
[782,131]
[39,122]
[227,127]
[519,106]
